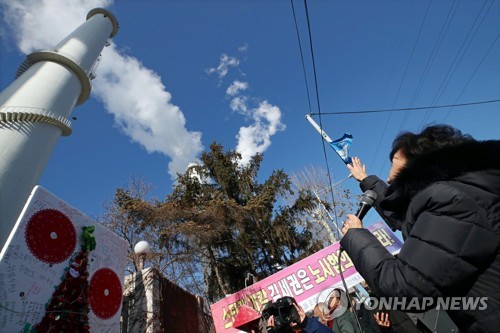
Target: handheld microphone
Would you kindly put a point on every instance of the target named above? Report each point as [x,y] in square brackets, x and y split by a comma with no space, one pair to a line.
[367,201]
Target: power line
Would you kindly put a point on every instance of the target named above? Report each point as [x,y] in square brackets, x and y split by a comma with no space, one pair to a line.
[301,56]
[319,113]
[435,50]
[384,131]
[393,71]
[405,118]
[460,55]
[410,109]
[473,74]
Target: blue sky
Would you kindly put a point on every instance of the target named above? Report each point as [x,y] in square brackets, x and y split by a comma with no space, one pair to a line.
[182,74]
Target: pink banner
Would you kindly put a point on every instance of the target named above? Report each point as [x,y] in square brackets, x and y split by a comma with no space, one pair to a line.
[309,281]
[385,236]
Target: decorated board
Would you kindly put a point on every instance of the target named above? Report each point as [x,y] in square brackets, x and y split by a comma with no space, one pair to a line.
[60,269]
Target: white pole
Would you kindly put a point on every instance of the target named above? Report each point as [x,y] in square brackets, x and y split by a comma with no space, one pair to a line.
[320,131]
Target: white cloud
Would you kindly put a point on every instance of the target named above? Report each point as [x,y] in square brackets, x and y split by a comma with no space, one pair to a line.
[244,48]
[133,93]
[266,118]
[236,87]
[223,68]
[239,104]
[142,108]
[39,24]
[256,138]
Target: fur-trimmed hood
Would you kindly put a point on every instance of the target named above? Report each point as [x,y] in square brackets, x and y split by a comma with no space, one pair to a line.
[449,163]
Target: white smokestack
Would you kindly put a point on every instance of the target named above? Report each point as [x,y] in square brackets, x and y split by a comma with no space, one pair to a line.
[35,108]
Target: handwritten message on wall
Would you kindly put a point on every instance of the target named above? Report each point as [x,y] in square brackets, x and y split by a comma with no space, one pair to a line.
[40,255]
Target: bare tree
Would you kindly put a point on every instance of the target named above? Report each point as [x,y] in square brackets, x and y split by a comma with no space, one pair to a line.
[135,217]
[332,203]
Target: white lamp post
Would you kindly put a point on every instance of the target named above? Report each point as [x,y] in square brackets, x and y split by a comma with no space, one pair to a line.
[142,249]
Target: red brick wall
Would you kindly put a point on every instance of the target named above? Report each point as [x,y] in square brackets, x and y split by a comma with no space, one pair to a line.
[179,309]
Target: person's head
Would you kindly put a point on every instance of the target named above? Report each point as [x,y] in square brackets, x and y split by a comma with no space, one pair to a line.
[334,300]
[406,146]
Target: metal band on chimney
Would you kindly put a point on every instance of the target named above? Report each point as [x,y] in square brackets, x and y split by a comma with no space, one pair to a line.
[9,115]
[67,62]
[107,14]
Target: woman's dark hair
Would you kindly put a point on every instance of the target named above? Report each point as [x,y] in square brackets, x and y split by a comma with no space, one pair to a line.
[431,138]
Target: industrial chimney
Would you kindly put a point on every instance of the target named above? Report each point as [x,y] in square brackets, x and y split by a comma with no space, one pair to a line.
[34,109]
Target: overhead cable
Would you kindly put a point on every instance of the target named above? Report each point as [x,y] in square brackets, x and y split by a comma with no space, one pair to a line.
[410,109]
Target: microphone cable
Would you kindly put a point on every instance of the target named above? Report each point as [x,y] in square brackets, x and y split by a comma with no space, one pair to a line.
[349,299]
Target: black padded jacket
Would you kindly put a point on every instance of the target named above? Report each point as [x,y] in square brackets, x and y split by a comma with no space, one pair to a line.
[450,200]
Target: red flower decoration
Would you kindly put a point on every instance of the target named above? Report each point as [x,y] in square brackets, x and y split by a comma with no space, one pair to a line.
[105,294]
[51,236]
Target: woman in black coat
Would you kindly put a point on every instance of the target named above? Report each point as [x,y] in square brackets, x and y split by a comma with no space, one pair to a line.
[445,192]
